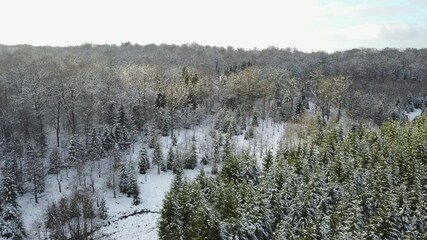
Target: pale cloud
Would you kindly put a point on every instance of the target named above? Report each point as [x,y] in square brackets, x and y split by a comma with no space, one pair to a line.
[418,1]
[388,32]
[363,10]
[305,24]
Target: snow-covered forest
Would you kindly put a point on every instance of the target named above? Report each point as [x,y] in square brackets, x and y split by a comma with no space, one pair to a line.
[197,142]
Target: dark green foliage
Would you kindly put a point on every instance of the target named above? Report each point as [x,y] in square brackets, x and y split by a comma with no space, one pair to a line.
[366,185]
[228,146]
[157,154]
[191,158]
[178,166]
[153,139]
[122,128]
[108,141]
[55,161]
[134,190]
[249,134]
[144,163]
[164,127]
[170,160]
[102,209]
[267,162]
[94,146]
[300,108]
[137,116]
[124,183]
[184,216]
[240,168]
[255,120]
[174,140]
[158,158]
[11,225]
[160,101]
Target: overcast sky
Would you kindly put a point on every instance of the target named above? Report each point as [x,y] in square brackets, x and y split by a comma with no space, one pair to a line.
[308,25]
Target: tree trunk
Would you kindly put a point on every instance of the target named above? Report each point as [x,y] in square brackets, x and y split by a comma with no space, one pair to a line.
[35,187]
[58,112]
[114,186]
[59,182]
[339,110]
[73,122]
[171,110]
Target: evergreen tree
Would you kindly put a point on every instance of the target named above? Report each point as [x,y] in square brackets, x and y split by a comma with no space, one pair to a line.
[72,150]
[108,141]
[267,162]
[169,226]
[153,139]
[158,158]
[134,190]
[11,224]
[214,169]
[228,146]
[164,126]
[300,108]
[102,209]
[174,140]
[157,154]
[249,134]
[178,166]
[144,163]
[171,159]
[191,158]
[55,161]
[255,121]
[124,183]
[121,128]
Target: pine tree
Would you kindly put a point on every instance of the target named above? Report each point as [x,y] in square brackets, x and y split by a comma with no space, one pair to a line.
[102,209]
[157,154]
[72,150]
[178,165]
[214,169]
[134,190]
[124,183]
[153,139]
[11,224]
[191,159]
[174,140]
[55,161]
[95,146]
[164,126]
[158,158]
[216,156]
[250,133]
[267,162]
[170,160]
[121,129]
[255,121]
[228,147]
[169,223]
[144,163]
[108,141]
[300,108]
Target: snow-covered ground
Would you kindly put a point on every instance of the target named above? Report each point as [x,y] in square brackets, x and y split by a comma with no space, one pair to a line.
[127,221]
[412,115]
